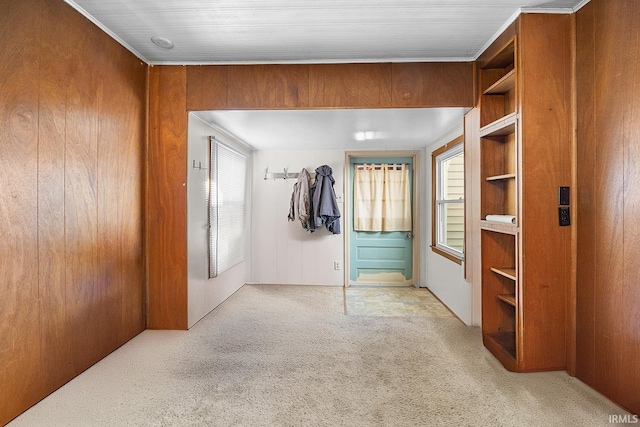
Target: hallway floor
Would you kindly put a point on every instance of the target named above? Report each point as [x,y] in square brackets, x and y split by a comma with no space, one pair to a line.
[393,301]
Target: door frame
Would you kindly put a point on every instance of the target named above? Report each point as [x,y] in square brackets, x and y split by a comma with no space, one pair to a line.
[417,231]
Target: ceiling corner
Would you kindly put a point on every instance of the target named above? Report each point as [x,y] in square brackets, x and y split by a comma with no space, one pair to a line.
[110,33]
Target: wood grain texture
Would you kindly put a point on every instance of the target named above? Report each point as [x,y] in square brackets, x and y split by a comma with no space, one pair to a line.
[570,326]
[295,86]
[20,367]
[81,210]
[167,199]
[350,85]
[545,85]
[585,152]
[54,325]
[120,196]
[625,354]
[433,84]
[268,87]
[70,145]
[207,87]
[609,202]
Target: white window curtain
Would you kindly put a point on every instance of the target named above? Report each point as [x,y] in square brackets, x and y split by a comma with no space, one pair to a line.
[382,198]
[227,205]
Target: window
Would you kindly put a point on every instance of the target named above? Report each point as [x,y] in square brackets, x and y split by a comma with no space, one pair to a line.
[227,176]
[448,200]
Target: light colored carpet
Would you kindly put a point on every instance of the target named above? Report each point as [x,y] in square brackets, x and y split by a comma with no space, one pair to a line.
[288,356]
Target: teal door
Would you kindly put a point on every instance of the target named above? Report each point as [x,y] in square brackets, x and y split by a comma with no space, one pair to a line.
[379,257]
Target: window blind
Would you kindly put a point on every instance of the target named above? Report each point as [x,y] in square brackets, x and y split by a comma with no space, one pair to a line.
[227,205]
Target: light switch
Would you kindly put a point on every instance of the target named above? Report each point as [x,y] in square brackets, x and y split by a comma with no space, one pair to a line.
[564,196]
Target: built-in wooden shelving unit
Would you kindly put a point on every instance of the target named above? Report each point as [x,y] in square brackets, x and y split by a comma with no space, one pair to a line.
[520,120]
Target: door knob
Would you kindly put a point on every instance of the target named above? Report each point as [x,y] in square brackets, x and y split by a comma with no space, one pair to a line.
[409,235]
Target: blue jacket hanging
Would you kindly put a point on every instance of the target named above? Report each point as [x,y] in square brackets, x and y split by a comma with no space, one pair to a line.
[324,204]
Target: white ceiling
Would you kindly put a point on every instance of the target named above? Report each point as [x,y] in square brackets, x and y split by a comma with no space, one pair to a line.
[320,31]
[278,31]
[409,128]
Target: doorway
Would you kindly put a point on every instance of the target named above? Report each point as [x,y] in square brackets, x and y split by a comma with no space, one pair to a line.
[377,257]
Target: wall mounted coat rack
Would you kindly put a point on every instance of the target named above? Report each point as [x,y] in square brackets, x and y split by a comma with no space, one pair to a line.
[284,175]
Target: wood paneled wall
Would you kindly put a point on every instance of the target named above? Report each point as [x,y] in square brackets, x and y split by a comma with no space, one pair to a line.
[398,85]
[166,227]
[175,90]
[545,94]
[608,172]
[72,132]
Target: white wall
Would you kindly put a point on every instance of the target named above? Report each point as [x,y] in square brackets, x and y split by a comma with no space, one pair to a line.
[205,294]
[445,278]
[283,252]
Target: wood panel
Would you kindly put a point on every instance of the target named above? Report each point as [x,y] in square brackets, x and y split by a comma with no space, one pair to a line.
[81,204]
[268,86]
[72,152]
[55,326]
[350,85]
[167,199]
[586,145]
[546,116]
[433,84]
[131,128]
[207,87]
[330,86]
[20,368]
[120,181]
[617,337]
[625,353]
[609,117]
[570,326]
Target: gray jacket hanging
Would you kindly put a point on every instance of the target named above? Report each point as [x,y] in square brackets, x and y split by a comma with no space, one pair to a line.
[300,204]
[324,204]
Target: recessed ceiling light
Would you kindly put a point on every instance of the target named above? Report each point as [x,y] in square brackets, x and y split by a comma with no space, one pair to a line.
[162,42]
[365,136]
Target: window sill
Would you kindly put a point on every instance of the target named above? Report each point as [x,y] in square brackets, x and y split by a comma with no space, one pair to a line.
[449,256]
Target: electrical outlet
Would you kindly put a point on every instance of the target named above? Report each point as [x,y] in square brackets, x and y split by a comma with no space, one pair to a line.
[564,216]
[336,265]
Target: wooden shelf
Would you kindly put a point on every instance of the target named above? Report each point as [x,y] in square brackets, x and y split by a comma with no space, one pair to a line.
[509,273]
[499,227]
[501,177]
[503,346]
[503,126]
[506,340]
[508,298]
[502,86]
[514,152]
[504,58]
